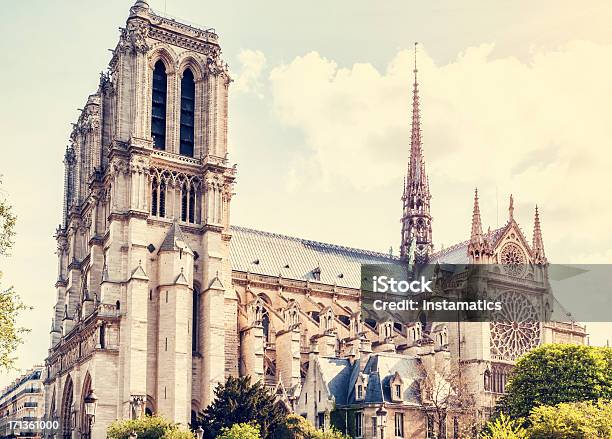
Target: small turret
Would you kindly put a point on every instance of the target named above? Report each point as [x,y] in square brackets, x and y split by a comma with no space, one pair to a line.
[479,249]
[539,257]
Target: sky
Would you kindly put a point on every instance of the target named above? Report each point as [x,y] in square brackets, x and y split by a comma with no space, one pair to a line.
[515,98]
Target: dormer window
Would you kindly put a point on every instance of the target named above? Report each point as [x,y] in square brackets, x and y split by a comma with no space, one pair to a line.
[397,388]
[360,387]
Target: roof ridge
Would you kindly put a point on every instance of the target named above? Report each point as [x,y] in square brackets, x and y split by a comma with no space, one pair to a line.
[312,242]
[449,249]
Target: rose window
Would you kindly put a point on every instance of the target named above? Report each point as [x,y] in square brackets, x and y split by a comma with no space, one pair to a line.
[516,328]
[513,259]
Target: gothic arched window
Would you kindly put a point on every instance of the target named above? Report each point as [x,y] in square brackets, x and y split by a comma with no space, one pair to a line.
[162,199]
[158,106]
[184,203]
[265,322]
[191,215]
[154,197]
[187,113]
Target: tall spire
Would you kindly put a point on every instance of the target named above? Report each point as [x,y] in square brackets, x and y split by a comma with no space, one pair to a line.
[416,218]
[416,146]
[476,221]
[479,249]
[538,243]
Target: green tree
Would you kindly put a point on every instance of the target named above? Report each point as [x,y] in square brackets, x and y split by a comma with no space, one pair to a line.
[574,420]
[238,401]
[7,225]
[240,431]
[502,427]
[555,373]
[10,302]
[296,427]
[147,427]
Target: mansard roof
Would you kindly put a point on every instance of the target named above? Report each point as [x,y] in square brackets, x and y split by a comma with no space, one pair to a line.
[381,369]
[296,258]
[336,373]
[340,377]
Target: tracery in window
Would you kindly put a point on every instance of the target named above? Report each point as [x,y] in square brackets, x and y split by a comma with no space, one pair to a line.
[517,327]
[158,197]
[176,195]
[513,259]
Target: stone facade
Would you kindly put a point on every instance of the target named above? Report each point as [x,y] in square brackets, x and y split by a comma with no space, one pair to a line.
[159,299]
[145,233]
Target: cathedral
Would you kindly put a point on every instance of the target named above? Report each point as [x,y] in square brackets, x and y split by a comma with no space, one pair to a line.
[159,297]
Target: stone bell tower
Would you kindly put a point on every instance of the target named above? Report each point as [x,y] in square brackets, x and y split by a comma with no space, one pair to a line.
[144,243]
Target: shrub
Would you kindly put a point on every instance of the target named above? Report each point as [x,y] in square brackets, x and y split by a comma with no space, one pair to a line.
[296,427]
[147,427]
[580,420]
[503,427]
[240,431]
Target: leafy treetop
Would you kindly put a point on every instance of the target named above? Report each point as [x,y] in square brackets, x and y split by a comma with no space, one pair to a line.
[238,401]
[555,373]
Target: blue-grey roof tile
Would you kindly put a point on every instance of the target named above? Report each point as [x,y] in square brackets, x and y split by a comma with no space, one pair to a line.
[295,258]
[336,374]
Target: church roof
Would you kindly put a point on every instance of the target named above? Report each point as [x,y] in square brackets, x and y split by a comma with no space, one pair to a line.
[302,259]
[458,253]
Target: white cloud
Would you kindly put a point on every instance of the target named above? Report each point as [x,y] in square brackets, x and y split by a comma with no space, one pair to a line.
[538,129]
[253,63]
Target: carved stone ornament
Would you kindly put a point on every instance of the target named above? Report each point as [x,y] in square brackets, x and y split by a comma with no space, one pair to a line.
[216,66]
[134,37]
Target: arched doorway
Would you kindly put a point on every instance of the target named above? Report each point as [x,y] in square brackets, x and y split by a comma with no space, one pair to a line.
[66,413]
